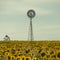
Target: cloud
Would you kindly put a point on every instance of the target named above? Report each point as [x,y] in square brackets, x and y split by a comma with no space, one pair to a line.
[42,1]
[14,8]
[51,27]
[11,8]
[48,32]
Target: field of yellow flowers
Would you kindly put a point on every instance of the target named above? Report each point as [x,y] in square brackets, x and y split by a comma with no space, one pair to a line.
[29,50]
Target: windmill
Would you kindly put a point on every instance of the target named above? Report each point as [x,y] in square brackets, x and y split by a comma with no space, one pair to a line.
[31,14]
[7,38]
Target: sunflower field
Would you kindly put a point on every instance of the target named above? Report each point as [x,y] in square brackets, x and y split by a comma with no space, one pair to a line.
[29,50]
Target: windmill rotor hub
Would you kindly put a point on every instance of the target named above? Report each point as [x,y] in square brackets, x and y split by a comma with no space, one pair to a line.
[31,13]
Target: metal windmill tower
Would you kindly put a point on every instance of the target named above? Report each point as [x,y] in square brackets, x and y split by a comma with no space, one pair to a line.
[31,14]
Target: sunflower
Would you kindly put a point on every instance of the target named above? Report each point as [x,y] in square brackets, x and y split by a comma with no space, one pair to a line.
[8,57]
[6,53]
[28,58]
[23,57]
[43,55]
[58,54]
[19,58]
[35,59]
[12,57]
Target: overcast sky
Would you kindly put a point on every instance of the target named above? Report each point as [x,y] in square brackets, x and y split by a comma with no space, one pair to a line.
[15,23]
